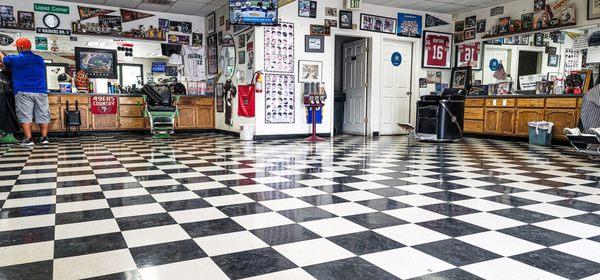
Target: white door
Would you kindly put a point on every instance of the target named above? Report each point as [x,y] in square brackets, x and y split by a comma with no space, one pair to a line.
[395,87]
[502,55]
[355,86]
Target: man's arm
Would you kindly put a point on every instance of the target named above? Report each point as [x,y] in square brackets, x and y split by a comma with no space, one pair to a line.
[4,60]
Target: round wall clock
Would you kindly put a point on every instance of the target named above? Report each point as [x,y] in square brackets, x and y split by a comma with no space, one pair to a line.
[51,21]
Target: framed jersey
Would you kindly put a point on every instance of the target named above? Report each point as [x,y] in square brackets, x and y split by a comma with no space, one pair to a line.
[437,50]
[469,54]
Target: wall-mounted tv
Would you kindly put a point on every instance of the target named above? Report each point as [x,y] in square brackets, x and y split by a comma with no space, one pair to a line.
[97,63]
[169,49]
[253,12]
[159,67]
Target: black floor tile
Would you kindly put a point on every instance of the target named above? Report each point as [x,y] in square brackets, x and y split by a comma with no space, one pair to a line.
[212,227]
[452,227]
[383,204]
[456,252]
[455,273]
[559,263]
[523,215]
[539,235]
[366,242]
[88,245]
[29,271]
[375,220]
[164,253]
[25,236]
[590,219]
[306,214]
[251,263]
[27,211]
[145,221]
[449,209]
[243,209]
[352,268]
[187,204]
[284,234]
[130,200]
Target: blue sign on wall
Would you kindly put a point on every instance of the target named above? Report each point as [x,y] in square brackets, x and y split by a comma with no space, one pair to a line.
[396,59]
[494,63]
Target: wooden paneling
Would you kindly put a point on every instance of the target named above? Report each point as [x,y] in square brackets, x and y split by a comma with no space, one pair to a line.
[204,101]
[131,123]
[531,102]
[131,111]
[473,126]
[104,122]
[187,101]
[474,113]
[131,100]
[53,99]
[579,102]
[500,102]
[81,99]
[187,117]
[561,118]
[85,113]
[491,121]
[524,116]
[205,117]
[475,102]
[561,102]
[506,122]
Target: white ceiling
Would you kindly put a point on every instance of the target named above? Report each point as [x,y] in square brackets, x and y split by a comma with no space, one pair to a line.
[440,6]
[183,7]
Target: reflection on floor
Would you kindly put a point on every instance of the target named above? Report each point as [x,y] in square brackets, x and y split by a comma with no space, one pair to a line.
[212,207]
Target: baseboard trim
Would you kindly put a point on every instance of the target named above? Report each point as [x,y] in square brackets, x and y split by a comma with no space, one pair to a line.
[227,132]
[287,136]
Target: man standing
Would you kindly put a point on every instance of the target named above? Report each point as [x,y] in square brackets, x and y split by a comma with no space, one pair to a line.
[29,83]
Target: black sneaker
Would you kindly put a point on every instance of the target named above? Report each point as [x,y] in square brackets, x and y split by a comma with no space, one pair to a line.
[27,142]
[45,141]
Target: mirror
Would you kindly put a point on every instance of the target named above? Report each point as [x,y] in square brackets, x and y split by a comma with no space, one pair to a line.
[555,62]
[227,57]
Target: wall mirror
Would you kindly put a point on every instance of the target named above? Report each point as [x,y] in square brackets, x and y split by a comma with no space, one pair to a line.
[227,57]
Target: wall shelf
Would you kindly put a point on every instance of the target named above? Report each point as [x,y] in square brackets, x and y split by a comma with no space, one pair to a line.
[116,36]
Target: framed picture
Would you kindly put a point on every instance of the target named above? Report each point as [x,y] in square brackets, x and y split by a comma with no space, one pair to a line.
[504,24]
[320,30]
[553,60]
[593,9]
[7,13]
[345,19]
[461,78]
[538,39]
[26,20]
[470,34]
[97,63]
[527,22]
[481,26]
[471,22]
[459,37]
[469,54]
[211,23]
[331,23]
[586,76]
[310,71]
[539,5]
[437,50]
[314,43]
[212,57]
[330,12]
[53,70]
[410,25]
[459,26]
[307,8]
[242,57]
[220,98]
[377,24]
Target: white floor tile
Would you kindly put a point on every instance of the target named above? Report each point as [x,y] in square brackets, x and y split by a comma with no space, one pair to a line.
[414,263]
[154,235]
[92,265]
[313,251]
[228,243]
[332,227]
[346,208]
[505,268]
[262,220]
[500,243]
[197,269]
[411,234]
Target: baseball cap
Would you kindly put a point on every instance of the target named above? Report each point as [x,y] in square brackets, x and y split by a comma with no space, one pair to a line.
[23,43]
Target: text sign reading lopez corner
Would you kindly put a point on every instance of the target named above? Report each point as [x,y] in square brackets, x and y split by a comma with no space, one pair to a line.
[50,8]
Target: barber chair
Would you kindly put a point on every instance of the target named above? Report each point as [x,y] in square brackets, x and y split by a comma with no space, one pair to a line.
[440,118]
[9,124]
[161,109]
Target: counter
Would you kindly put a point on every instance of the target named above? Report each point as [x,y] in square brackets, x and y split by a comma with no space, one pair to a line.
[508,115]
[195,112]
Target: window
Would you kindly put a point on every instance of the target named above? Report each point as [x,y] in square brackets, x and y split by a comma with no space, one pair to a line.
[131,74]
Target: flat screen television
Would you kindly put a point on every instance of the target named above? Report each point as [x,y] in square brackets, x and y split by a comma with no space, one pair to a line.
[169,49]
[97,63]
[159,67]
[253,12]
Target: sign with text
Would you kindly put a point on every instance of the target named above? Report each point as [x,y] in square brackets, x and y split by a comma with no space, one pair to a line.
[43,30]
[50,8]
[103,105]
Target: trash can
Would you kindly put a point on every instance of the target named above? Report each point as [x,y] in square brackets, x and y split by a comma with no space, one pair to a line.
[540,133]
[247,132]
[339,101]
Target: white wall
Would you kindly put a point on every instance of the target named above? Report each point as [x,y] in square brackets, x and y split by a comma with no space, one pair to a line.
[289,13]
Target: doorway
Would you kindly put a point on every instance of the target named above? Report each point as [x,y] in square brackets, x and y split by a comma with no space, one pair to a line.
[395,91]
[530,63]
[502,55]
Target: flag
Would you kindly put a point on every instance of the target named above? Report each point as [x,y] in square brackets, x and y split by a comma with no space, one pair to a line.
[500,73]
[89,12]
[129,15]
[431,21]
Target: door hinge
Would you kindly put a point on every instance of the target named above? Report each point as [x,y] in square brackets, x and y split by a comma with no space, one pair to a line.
[366,120]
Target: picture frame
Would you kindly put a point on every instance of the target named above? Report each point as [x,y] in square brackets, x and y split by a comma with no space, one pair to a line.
[307,8]
[310,71]
[409,25]
[539,5]
[241,57]
[538,39]
[331,12]
[437,50]
[211,24]
[553,60]
[527,22]
[461,78]
[593,11]
[320,30]
[108,58]
[26,20]
[53,70]
[378,24]
[459,26]
[314,43]
[220,98]
[586,75]
[212,54]
[471,22]
[481,26]
[469,54]
[331,23]
[504,24]
[470,34]
[345,19]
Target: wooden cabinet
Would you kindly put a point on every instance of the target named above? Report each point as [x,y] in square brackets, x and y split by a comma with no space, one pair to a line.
[561,118]
[132,123]
[491,121]
[473,126]
[506,122]
[524,116]
[205,117]
[85,113]
[186,118]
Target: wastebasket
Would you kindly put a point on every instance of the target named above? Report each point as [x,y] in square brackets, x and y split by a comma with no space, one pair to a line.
[247,132]
[540,133]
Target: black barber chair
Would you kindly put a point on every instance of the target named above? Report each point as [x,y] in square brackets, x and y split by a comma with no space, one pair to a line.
[161,109]
[440,118]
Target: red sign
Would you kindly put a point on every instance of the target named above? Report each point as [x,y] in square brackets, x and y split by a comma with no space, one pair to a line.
[103,105]
[246,101]
[469,55]
[437,50]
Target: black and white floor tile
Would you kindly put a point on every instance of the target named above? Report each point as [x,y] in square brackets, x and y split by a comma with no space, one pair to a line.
[212,207]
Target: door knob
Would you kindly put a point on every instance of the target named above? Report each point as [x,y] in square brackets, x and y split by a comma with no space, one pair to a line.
[408,93]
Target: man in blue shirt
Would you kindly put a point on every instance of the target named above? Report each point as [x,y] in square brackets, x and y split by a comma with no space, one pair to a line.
[30,88]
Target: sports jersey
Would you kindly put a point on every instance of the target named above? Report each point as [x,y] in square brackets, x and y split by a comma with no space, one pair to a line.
[437,48]
[193,62]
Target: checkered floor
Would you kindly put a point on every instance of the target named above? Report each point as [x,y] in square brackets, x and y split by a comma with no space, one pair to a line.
[212,207]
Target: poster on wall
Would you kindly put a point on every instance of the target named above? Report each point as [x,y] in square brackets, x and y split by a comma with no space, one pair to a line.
[129,15]
[7,13]
[89,12]
[469,55]
[377,23]
[279,48]
[53,70]
[41,43]
[437,49]
[110,21]
[410,25]
[178,39]
[212,54]
[103,105]
[280,100]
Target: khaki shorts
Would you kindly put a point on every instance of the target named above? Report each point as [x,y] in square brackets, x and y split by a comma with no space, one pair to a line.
[32,106]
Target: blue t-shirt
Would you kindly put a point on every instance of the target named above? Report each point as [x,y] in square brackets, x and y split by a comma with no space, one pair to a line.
[28,72]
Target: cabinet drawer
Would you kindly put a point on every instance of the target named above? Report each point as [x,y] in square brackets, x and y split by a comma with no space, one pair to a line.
[473,126]
[54,112]
[130,111]
[561,102]
[132,123]
[530,102]
[83,99]
[187,101]
[474,113]
[472,102]
[131,100]
[499,102]
[204,101]
[53,99]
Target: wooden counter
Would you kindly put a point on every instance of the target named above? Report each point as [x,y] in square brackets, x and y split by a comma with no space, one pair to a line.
[195,112]
[508,115]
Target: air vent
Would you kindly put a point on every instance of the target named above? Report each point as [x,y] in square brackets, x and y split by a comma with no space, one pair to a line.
[159,2]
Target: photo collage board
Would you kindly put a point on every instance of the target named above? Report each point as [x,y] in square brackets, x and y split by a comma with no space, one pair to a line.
[280,101]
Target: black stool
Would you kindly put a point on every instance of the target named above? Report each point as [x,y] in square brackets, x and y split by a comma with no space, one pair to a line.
[72,119]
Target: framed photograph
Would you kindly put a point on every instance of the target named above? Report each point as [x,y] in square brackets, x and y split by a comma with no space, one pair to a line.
[553,60]
[330,12]
[331,22]
[211,23]
[527,22]
[593,9]
[470,34]
[212,57]
[377,24]
[320,30]
[314,43]
[97,63]
[459,37]
[469,54]
[7,13]
[53,70]
[437,50]
[459,26]
[310,71]
[410,25]
[307,8]
[471,22]
[345,19]
[504,24]
[550,50]
[26,20]
[538,39]
[220,98]
[481,26]
[461,78]
[242,57]
[539,5]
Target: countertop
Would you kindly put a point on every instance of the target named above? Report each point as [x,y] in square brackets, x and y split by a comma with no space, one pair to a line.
[526,96]
[121,94]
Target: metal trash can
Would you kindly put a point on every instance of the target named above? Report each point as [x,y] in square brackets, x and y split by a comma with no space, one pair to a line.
[540,133]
